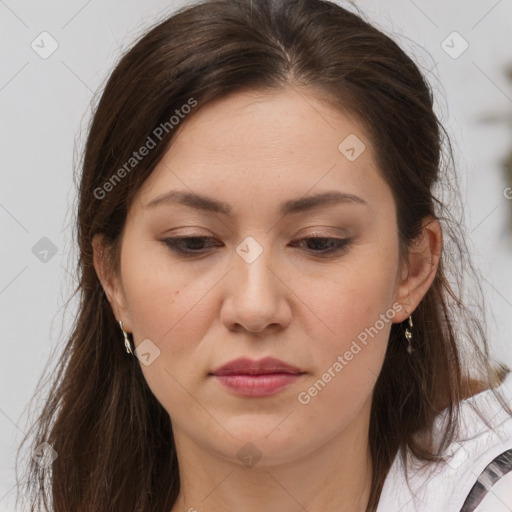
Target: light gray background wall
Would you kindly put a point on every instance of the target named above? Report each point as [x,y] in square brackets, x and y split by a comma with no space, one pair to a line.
[45,101]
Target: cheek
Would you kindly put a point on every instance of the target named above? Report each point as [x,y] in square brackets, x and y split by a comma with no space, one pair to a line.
[168,305]
[354,313]
[351,296]
[171,308]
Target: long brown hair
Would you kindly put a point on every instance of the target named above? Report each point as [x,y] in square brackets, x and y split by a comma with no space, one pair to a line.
[113,439]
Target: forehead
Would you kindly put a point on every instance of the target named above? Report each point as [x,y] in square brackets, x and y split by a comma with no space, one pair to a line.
[267,125]
[260,144]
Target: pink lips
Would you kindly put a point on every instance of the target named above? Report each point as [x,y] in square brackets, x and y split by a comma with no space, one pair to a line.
[257,378]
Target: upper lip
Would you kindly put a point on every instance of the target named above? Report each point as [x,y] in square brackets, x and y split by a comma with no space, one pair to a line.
[248,366]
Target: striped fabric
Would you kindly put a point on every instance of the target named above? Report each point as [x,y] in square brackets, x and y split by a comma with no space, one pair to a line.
[497,468]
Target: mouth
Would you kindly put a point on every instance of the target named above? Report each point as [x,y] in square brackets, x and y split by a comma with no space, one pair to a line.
[256,378]
[264,384]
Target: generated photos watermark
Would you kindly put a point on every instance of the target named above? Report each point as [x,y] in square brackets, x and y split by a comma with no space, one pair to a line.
[144,150]
[304,397]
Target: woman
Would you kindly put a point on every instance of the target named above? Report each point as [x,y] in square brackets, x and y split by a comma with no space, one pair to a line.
[268,316]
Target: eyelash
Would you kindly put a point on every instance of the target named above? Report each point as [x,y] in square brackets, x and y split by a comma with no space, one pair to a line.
[174,245]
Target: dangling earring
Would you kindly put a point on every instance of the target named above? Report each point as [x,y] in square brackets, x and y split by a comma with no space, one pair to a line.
[126,340]
[408,336]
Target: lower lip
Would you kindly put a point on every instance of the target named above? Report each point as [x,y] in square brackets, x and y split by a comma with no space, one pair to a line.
[257,385]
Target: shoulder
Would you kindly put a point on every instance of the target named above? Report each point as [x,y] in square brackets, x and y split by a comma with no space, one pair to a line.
[443,486]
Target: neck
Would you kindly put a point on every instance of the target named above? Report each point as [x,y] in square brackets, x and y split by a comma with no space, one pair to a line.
[336,476]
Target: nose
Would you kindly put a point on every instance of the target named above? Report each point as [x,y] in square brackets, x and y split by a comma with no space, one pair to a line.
[257,299]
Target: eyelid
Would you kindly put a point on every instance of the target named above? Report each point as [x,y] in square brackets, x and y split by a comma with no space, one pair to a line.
[325,232]
[341,244]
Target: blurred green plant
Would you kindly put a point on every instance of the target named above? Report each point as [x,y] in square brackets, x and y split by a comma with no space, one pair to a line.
[507,162]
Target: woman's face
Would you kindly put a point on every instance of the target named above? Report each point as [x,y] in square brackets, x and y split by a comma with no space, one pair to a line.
[258,286]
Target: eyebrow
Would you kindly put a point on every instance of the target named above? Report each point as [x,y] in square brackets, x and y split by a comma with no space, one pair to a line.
[205,203]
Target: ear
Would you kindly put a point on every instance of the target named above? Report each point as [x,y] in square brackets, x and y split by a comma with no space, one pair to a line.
[110,281]
[418,272]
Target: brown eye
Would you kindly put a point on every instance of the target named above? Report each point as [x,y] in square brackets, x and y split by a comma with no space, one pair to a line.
[325,245]
[188,246]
